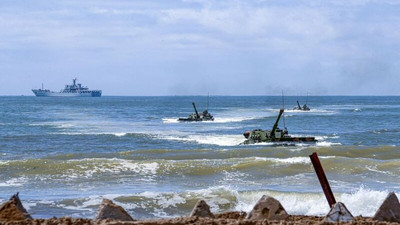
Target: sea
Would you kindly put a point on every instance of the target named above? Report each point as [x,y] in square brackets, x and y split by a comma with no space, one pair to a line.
[64,155]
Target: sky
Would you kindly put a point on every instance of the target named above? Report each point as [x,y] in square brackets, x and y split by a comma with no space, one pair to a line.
[195,47]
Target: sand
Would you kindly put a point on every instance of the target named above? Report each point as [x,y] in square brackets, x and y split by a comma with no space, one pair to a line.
[220,219]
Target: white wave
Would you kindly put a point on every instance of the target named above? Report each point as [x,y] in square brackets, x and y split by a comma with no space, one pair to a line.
[14,182]
[220,140]
[164,199]
[216,120]
[232,119]
[90,167]
[170,120]
[293,160]
[87,203]
[265,143]
[357,110]
[28,205]
[312,111]
[327,144]
[363,202]
[117,134]
[57,124]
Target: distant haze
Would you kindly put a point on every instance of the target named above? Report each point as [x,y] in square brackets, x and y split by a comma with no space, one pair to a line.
[192,47]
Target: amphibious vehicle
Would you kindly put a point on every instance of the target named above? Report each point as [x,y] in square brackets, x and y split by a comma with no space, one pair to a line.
[196,116]
[274,135]
[304,108]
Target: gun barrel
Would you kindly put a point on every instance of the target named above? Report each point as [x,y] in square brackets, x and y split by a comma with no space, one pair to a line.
[195,110]
[276,123]
[298,104]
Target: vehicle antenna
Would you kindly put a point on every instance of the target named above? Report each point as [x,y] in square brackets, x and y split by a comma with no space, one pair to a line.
[283,107]
[208,96]
[307,98]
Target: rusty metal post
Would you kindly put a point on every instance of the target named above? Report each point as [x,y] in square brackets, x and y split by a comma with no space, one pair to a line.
[322,179]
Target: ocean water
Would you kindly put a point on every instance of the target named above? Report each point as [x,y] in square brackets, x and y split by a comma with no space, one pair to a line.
[65,154]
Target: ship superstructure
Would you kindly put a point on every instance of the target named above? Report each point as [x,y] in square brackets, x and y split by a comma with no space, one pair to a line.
[73,90]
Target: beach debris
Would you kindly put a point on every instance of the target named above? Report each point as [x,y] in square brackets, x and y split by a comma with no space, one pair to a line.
[389,210]
[322,179]
[109,210]
[268,208]
[338,213]
[201,209]
[13,210]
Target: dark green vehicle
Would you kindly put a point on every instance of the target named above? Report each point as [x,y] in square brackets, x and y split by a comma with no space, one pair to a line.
[274,135]
[196,116]
[304,108]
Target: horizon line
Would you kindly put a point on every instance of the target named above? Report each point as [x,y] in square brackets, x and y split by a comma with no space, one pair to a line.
[335,95]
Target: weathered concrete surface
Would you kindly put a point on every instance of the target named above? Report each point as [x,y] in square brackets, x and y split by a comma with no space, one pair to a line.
[338,213]
[389,210]
[109,210]
[201,209]
[13,210]
[268,208]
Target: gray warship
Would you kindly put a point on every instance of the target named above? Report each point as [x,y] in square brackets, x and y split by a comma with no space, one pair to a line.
[73,90]
[196,116]
[274,135]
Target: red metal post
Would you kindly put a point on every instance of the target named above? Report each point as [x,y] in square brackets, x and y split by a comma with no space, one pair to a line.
[322,179]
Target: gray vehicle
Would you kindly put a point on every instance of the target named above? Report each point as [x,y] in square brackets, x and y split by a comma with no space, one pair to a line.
[73,90]
[196,116]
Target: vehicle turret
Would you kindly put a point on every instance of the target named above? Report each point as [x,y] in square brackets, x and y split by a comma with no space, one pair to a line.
[276,123]
[195,110]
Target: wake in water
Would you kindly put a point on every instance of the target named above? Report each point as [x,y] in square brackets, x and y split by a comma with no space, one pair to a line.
[220,140]
[312,111]
[216,120]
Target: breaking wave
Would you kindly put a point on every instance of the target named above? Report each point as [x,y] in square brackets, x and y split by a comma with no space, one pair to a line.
[216,120]
[150,204]
[220,140]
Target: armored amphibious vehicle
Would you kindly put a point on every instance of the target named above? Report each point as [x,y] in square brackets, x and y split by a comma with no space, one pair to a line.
[299,107]
[274,135]
[196,116]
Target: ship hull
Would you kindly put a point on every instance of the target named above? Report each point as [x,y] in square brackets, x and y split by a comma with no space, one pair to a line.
[194,120]
[40,93]
[284,139]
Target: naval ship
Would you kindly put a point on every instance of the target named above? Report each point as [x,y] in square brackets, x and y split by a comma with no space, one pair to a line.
[73,90]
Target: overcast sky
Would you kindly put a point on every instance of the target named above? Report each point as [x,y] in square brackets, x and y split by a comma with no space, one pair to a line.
[192,47]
